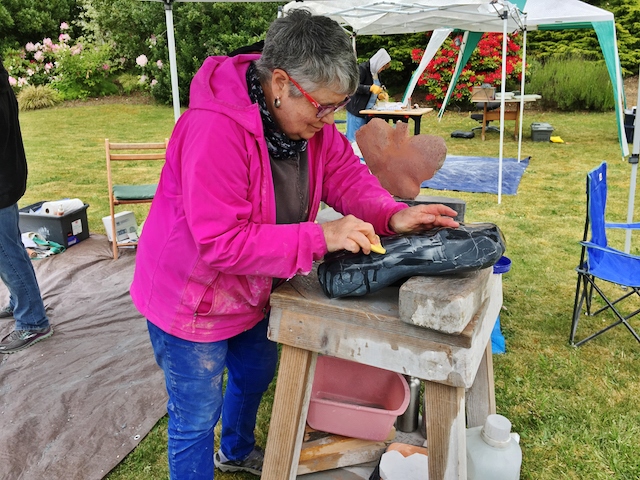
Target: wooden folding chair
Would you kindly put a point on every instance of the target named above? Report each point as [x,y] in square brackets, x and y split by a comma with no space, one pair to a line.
[130,192]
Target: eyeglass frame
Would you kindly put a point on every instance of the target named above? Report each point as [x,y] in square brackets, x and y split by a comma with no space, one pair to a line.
[323,110]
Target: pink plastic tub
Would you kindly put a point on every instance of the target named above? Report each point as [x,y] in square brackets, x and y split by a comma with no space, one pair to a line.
[356,400]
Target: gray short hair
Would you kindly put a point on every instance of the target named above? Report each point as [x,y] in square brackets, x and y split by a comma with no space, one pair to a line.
[313,49]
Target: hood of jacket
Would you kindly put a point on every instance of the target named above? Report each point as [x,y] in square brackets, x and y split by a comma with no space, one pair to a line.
[216,85]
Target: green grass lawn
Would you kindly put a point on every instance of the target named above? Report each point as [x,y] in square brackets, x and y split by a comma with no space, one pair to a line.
[575,409]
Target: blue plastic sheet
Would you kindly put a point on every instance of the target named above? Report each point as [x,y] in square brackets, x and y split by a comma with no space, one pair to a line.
[478,174]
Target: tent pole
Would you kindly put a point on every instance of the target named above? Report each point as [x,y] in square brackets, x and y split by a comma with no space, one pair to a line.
[524,64]
[633,160]
[173,67]
[502,103]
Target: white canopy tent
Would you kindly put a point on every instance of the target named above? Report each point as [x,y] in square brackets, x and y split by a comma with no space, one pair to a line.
[567,14]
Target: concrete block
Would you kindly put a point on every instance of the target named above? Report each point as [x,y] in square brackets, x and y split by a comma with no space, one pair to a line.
[446,304]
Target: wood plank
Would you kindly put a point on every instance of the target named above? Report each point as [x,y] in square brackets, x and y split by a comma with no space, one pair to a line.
[481,397]
[288,417]
[378,311]
[324,451]
[446,434]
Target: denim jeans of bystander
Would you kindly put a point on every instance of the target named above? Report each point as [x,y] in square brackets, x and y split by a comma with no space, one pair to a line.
[16,271]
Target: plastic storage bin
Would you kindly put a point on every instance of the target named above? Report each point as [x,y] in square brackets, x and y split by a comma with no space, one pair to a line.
[67,230]
[355,400]
[541,132]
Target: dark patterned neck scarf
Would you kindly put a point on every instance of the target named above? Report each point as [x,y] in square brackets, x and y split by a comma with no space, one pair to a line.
[279,145]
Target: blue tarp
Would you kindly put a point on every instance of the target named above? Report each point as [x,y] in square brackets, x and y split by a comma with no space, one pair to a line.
[478,174]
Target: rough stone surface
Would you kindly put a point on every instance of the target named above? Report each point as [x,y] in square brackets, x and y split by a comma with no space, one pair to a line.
[401,162]
[446,304]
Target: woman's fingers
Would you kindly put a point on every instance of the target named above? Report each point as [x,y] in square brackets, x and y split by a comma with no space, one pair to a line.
[349,233]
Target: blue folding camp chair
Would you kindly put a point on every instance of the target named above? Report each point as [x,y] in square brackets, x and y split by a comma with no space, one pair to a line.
[599,262]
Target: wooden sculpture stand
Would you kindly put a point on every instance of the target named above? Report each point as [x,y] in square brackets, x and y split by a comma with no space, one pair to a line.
[457,369]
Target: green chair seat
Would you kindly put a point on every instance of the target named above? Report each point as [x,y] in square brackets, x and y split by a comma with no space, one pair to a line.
[134,192]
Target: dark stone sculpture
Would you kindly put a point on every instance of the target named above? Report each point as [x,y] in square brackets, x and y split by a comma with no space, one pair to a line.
[441,251]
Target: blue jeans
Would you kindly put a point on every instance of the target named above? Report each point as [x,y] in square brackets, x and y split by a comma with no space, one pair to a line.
[18,275]
[353,125]
[193,377]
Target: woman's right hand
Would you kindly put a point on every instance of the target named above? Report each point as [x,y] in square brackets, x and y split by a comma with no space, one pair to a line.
[349,233]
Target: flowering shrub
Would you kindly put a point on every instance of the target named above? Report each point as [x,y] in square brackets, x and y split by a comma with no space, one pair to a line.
[77,70]
[484,66]
[151,70]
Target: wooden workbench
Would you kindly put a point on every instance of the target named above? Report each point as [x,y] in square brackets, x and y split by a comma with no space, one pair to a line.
[457,369]
[509,114]
[402,115]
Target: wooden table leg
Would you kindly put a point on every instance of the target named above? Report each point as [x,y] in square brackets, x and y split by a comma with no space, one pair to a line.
[289,413]
[484,119]
[446,434]
[481,397]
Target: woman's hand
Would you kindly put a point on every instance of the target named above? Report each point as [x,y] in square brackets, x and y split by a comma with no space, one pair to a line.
[349,233]
[423,217]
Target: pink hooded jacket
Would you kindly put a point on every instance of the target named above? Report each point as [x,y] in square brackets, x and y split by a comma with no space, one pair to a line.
[211,246]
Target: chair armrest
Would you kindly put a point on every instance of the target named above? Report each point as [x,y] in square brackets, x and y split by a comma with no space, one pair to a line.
[628,226]
[610,250]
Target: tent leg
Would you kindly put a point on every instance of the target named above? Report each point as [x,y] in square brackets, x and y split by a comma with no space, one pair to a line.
[173,67]
[633,160]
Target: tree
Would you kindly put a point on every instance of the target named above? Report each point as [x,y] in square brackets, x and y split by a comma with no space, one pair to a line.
[545,44]
[23,21]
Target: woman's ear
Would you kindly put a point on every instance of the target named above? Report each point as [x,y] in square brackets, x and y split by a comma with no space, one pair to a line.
[279,82]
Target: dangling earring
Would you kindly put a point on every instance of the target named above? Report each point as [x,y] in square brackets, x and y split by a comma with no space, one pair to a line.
[277,102]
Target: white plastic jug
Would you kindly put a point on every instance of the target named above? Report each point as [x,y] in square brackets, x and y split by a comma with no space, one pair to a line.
[493,452]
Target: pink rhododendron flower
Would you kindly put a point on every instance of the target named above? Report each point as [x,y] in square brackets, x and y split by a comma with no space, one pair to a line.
[30,72]
[48,66]
[105,67]
[142,60]
[47,43]
[159,64]
[64,26]
[76,49]
[39,56]
[143,79]
[64,37]
[30,47]
[12,81]
[154,82]
[22,82]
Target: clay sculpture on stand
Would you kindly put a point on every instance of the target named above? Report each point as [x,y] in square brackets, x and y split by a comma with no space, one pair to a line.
[400,162]
[441,251]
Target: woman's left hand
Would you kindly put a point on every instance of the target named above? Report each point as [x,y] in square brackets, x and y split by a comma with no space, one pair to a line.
[423,217]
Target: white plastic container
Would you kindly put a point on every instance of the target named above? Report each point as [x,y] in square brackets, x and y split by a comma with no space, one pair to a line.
[493,452]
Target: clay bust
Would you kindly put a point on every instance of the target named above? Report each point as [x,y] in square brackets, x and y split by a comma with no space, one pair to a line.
[400,162]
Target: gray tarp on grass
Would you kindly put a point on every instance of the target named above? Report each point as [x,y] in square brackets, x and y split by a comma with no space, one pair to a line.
[74,405]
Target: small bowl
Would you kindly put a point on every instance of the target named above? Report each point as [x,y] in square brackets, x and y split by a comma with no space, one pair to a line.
[503,265]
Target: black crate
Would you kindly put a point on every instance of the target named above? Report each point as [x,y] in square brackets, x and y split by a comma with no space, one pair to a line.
[67,230]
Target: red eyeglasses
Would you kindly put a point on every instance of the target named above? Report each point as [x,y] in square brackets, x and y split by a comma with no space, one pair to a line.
[323,110]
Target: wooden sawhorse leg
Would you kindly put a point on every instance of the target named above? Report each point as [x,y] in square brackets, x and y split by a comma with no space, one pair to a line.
[446,423]
[289,414]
